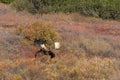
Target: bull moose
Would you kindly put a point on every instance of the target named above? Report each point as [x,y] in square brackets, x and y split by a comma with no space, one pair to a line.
[45,51]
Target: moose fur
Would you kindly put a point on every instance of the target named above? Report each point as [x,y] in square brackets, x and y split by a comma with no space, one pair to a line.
[45,52]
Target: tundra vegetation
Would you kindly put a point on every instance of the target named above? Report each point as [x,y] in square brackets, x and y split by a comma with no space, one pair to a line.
[97,8]
[6,1]
[80,57]
[91,54]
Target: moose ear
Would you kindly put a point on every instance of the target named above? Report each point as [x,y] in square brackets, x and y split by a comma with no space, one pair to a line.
[57,45]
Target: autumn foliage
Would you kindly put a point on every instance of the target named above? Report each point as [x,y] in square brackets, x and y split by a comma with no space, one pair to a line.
[68,67]
[39,32]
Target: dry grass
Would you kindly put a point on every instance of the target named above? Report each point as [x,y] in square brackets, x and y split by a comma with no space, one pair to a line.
[68,67]
[89,45]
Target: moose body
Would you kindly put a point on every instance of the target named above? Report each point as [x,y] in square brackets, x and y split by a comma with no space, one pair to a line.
[45,52]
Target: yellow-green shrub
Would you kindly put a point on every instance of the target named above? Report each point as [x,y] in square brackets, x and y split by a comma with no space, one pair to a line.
[39,32]
[97,8]
[20,5]
[6,1]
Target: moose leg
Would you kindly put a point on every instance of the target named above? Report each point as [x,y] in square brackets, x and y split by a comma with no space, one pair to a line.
[36,54]
[52,54]
[40,52]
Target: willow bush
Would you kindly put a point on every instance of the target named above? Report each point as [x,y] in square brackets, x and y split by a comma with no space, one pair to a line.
[6,1]
[20,5]
[106,9]
[39,33]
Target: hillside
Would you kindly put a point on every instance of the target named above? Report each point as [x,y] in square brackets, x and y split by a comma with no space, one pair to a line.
[83,38]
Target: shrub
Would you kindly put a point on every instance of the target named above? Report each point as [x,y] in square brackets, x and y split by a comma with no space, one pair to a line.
[40,32]
[6,1]
[20,5]
[38,6]
[32,6]
[96,8]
